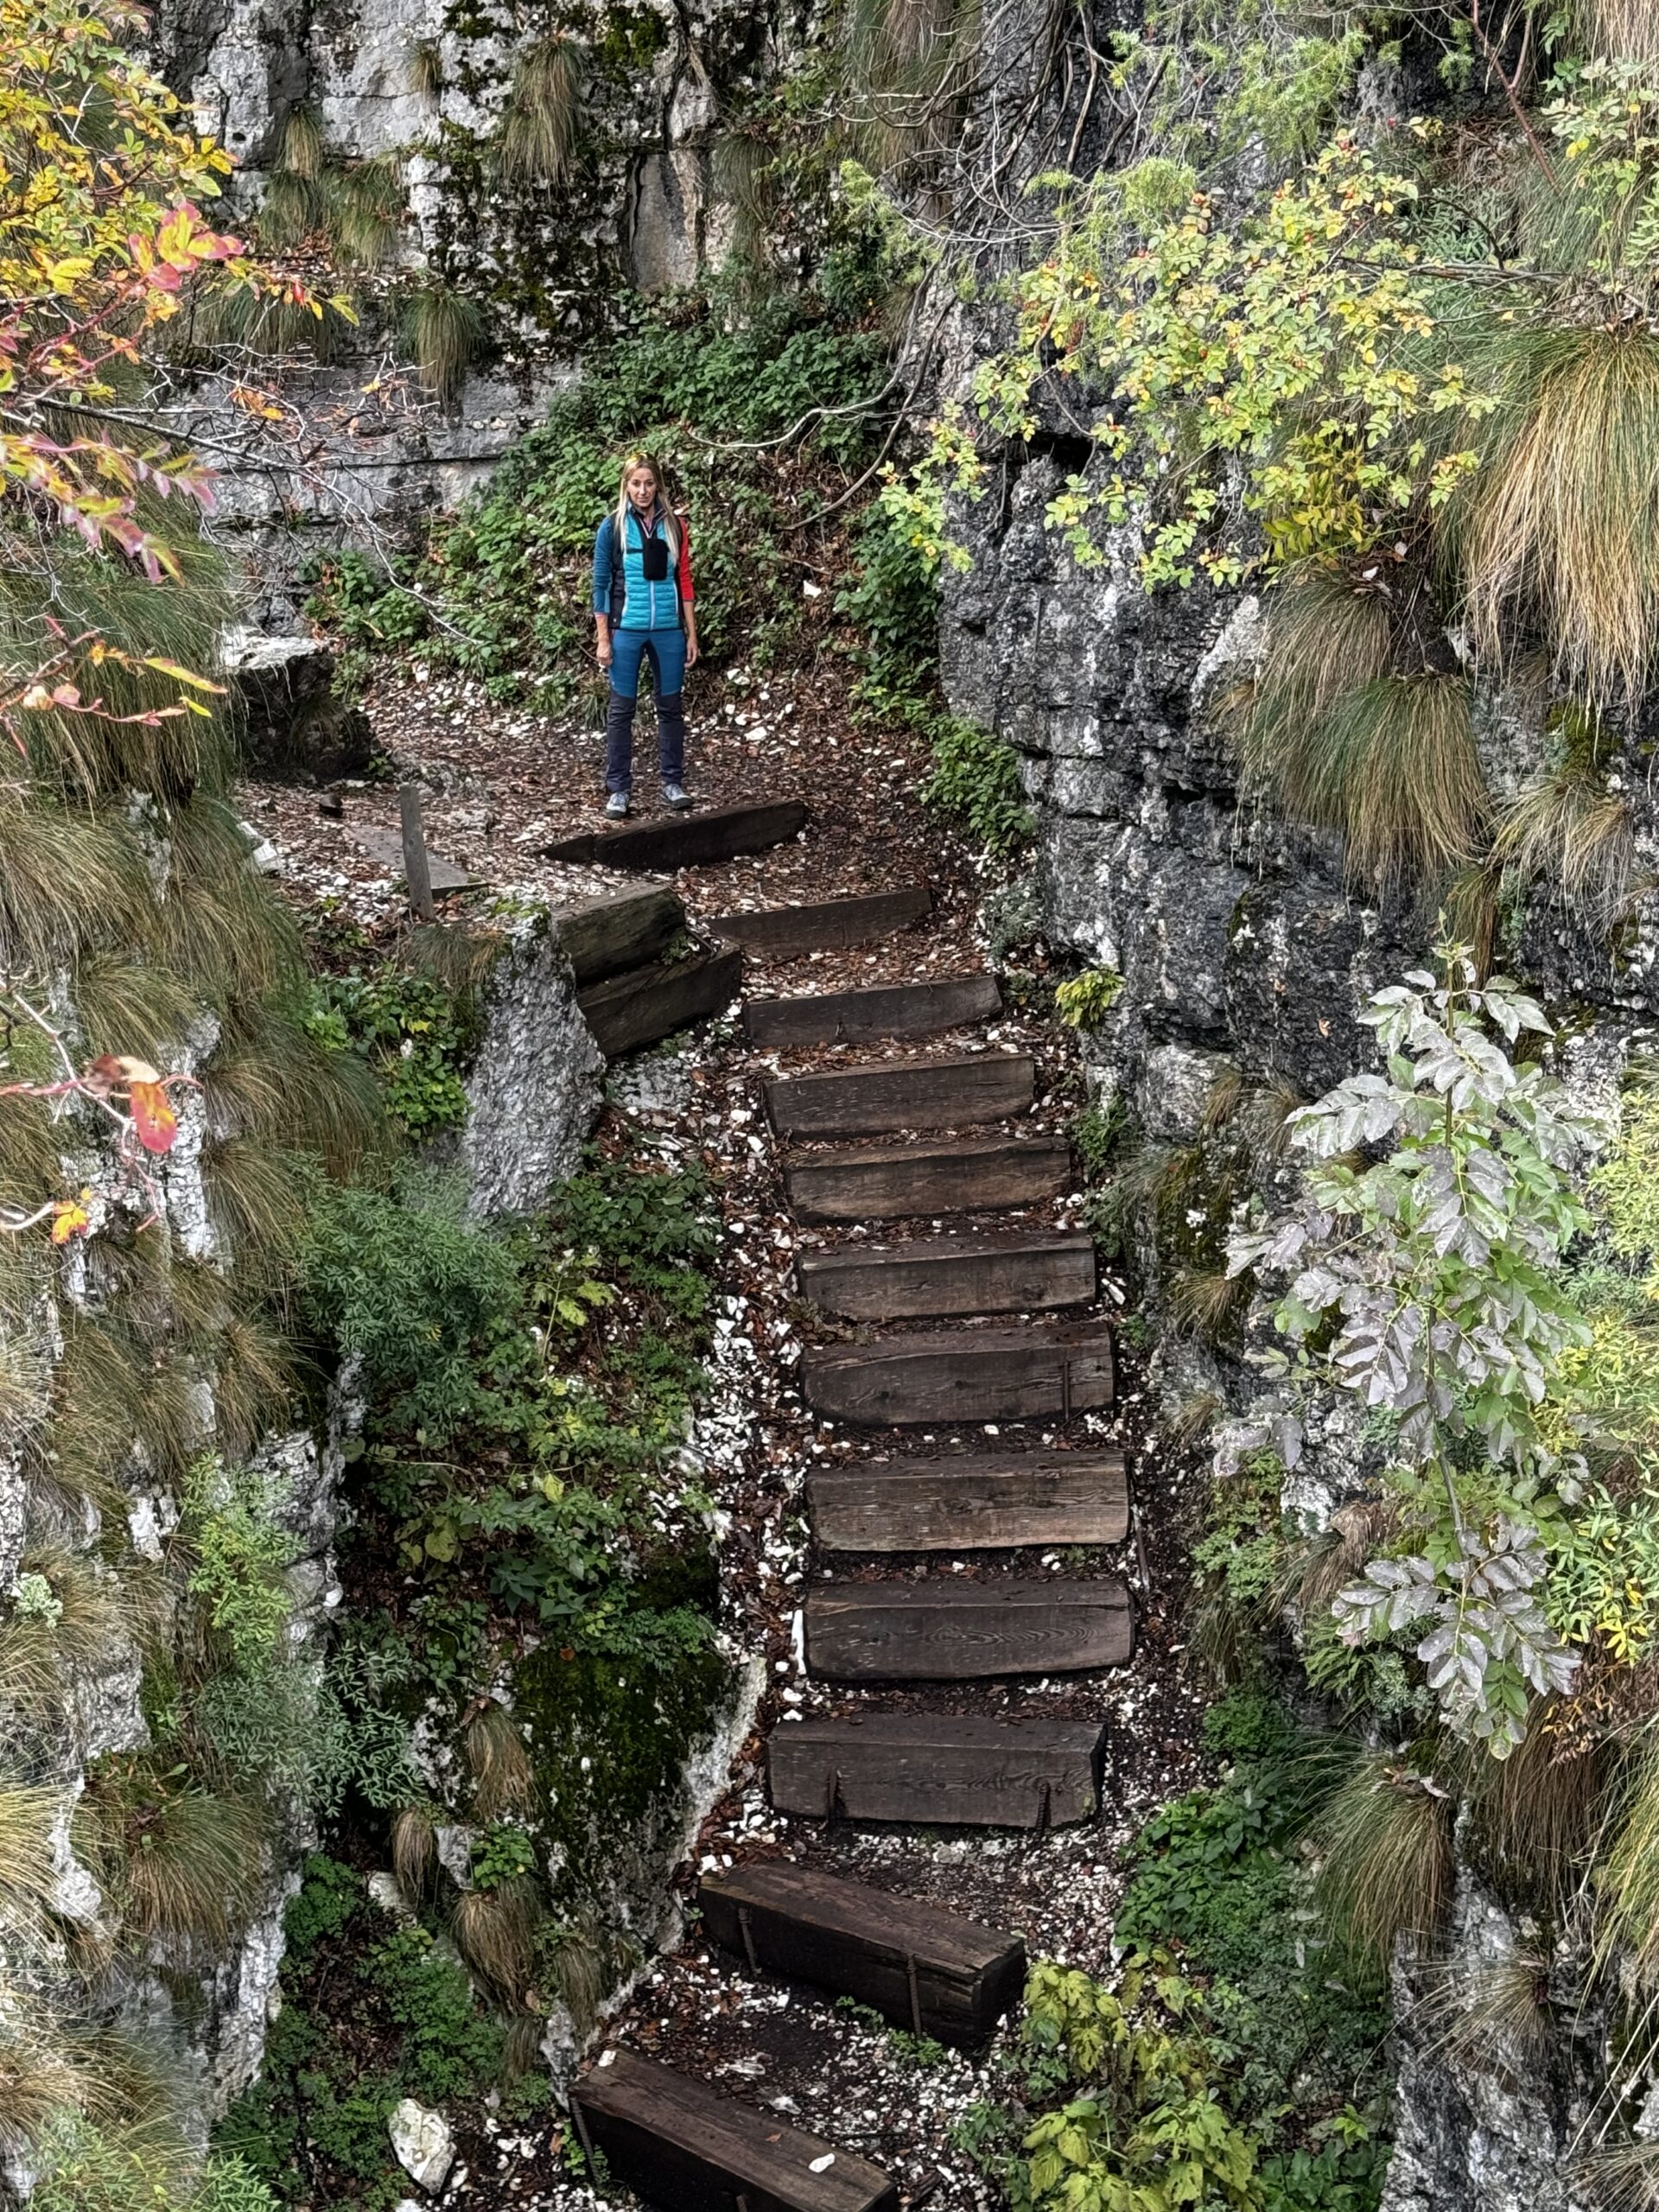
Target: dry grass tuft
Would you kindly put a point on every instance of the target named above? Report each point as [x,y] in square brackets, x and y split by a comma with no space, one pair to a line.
[363,206]
[415,1850]
[576,1967]
[302,151]
[542,120]
[1194,1418]
[503,1778]
[1356,1532]
[443,329]
[1497,2015]
[185,1862]
[1385,1844]
[1621,29]
[27,1876]
[1566,831]
[1563,537]
[426,71]
[1208,1303]
[495,1933]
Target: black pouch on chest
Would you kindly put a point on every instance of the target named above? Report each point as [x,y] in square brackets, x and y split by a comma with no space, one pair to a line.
[653,554]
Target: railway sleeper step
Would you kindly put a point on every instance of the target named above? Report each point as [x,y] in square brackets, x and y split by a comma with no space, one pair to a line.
[886,1010]
[931,1971]
[831,926]
[933,1094]
[971,1505]
[628,1011]
[1019,1272]
[1044,1371]
[688,2150]
[604,936]
[677,841]
[965,1631]
[897,1182]
[937,1769]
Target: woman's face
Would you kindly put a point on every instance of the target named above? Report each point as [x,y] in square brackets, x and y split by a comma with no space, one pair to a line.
[642,488]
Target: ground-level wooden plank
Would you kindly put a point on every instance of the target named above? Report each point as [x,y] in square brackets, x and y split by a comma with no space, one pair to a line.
[684,2148]
[628,1011]
[387,846]
[1037,1373]
[1021,1272]
[971,1505]
[965,1631]
[955,1771]
[930,1971]
[605,937]
[968,1175]
[783,933]
[889,1010]
[686,840]
[942,1094]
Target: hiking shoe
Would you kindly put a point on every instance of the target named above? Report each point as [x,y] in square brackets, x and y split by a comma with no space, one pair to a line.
[616,807]
[674,795]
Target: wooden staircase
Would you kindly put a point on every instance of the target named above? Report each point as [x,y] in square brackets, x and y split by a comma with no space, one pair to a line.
[866,1626]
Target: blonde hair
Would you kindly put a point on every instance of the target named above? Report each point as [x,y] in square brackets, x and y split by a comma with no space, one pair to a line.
[670,521]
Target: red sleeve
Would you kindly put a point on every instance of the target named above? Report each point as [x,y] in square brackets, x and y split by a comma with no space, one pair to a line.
[687,595]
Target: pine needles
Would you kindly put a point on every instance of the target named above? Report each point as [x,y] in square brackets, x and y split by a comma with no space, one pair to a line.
[542,120]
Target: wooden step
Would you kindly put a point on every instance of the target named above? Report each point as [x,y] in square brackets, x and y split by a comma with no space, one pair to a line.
[782,932]
[903,1095]
[971,1505]
[1036,1373]
[889,1010]
[682,2146]
[626,1011]
[1018,1273]
[969,1175]
[959,1770]
[930,1971]
[604,936]
[677,841]
[965,1631]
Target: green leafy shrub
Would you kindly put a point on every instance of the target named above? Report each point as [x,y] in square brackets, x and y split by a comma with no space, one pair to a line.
[975,782]
[416,1034]
[238,1556]
[1083,1001]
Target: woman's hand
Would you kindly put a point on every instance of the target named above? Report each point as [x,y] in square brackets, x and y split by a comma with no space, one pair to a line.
[603,644]
[691,645]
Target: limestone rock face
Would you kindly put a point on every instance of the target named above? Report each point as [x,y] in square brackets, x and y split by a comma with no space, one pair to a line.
[1493,2129]
[293,728]
[535,1090]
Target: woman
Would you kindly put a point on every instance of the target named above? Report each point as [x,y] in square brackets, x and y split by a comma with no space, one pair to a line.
[643,609]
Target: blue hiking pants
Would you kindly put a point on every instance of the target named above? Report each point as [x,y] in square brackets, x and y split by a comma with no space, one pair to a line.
[666,652]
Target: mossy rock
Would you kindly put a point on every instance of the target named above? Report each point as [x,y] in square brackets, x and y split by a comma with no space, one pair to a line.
[634,1722]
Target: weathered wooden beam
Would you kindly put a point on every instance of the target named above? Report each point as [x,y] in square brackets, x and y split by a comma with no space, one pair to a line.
[966,1175]
[1036,1373]
[943,1094]
[1040,1498]
[930,1971]
[943,1769]
[685,839]
[626,1011]
[783,933]
[965,1631]
[686,2149]
[850,1017]
[1019,1272]
[605,937]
